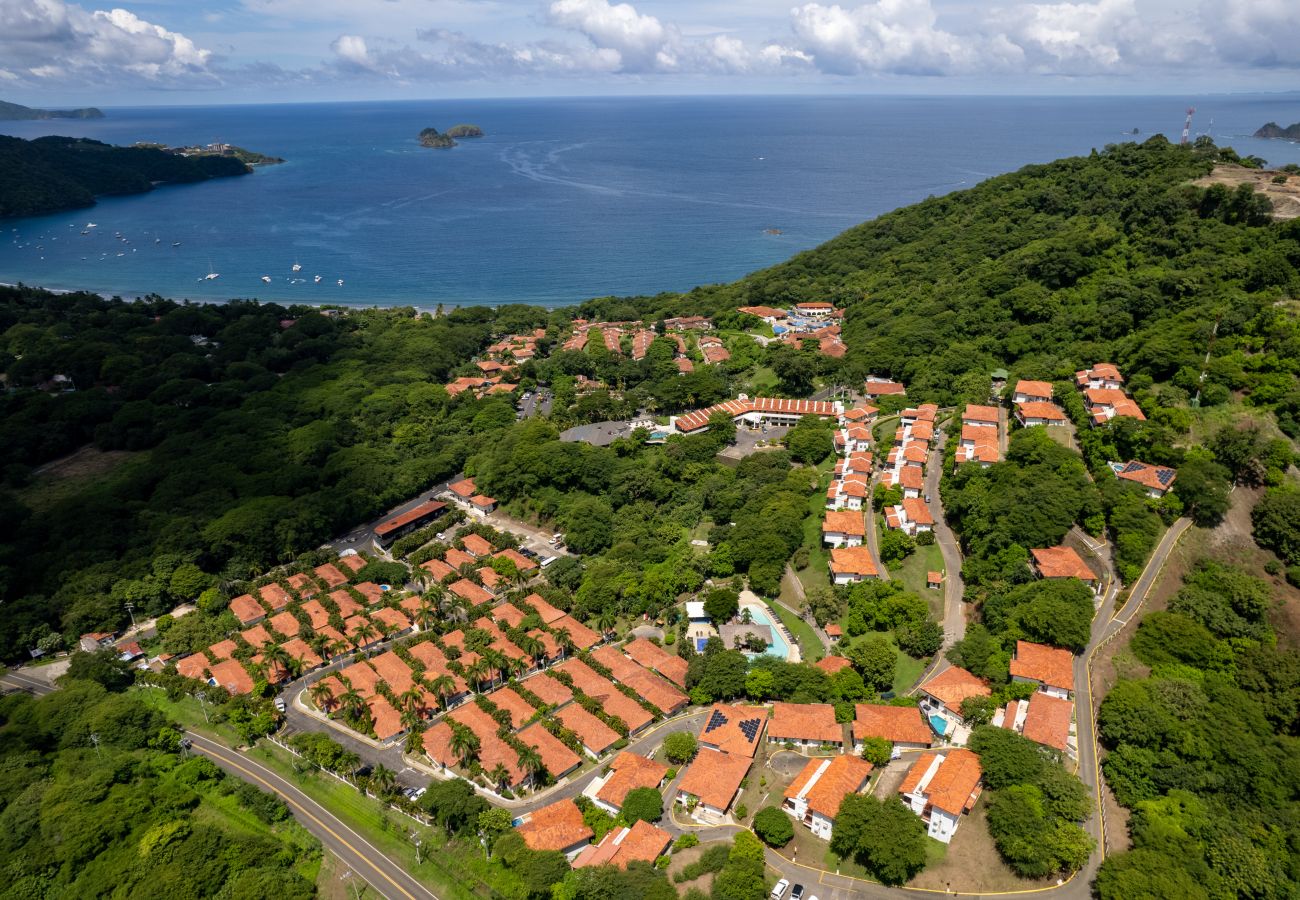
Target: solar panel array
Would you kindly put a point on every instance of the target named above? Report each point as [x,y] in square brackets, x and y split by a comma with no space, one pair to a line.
[749,728]
[1134,467]
[717,720]
[1164,476]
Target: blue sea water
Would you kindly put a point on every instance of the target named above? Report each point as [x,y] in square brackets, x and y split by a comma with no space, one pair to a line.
[564,199]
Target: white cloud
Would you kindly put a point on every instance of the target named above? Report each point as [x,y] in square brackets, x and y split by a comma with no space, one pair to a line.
[898,36]
[1255,33]
[642,42]
[48,41]
[351,48]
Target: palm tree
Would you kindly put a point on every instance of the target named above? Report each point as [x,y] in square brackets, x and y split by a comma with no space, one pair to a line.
[322,695]
[514,665]
[273,657]
[498,662]
[607,621]
[411,719]
[441,686]
[364,633]
[383,779]
[531,761]
[476,671]
[500,775]
[426,615]
[565,641]
[350,701]
[411,699]
[348,762]
[533,647]
[319,644]
[337,648]
[415,738]
[465,744]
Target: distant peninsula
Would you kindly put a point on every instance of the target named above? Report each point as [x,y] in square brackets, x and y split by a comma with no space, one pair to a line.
[54,174]
[445,140]
[15,112]
[1274,130]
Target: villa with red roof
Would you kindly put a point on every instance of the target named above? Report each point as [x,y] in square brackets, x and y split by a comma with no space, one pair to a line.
[1027,391]
[642,842]
[733,729]
[711,783]
[902,726]
[850,565]
[596,736]
[628,771]
[652,656]
[804,725]
[941,699]
[940,788]
[815,795]
[1155,480]
[1052,668]
[844,528]
[1063,562]
[558,826]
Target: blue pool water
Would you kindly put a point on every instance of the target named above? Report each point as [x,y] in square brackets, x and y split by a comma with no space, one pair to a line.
[778,647]
[939,724]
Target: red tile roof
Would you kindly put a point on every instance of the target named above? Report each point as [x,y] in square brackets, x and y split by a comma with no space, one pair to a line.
[1034,388]
[917,511]
[286,623]
[1156,478]
[230,674]
[425,509]
[601,689]
[558,826]
[470,591]
[832,664]
[954,787]
[274,596]
[457,558]
[715,777]
[438,569]
[257,637]
[464,488]
[520,710]
[734,408]
[1048,720]
[317,614]
[223,649]
[843,521]
[509,614]
[192,666]
[303,584]
[824,783]
[1038,409]
[882,388]
[549,690]
[371,591]
[630,771]
[548,612]
[953,685]
[896,724]
[853,561]
[354,562]
[652,656]
[722,728]
[805,722]
[476,544]
[642,842]
[246,609]
[1052,666]
[595,735]
[522,563]
[583,637]
[301,651]
[981,414]
[1061,562]
[390,617]
[557,758]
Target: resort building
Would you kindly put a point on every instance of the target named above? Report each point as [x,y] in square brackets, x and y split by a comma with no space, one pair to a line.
[733,729]
[1051,668]
[757,411]
[940,788]
[805,725]
[844,528]
[1040,413]
[628,772]
[941,699]
[1063,562]
[558,826]
[642,842]
[1102,375]
[911,516]
[850,565]
[711,783]
[1032,392]
[815,795]
[1155,480]
[902,726]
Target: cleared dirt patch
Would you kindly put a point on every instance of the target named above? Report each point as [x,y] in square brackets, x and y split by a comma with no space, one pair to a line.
[686,857]
[63,477]
[1285,196]
[972,864]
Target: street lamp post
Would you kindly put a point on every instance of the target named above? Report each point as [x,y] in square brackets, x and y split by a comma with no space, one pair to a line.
[130,608]
[202,697]
[356,892]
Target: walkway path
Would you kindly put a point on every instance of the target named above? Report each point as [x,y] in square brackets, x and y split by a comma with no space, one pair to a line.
[954,612]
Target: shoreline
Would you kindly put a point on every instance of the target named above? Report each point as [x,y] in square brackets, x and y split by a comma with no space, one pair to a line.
[447,308]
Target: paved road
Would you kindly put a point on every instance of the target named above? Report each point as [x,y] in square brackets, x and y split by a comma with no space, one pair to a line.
[954,611]
[363,858]
[598,434]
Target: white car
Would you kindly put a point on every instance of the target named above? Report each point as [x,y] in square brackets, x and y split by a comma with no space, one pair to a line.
[779,891]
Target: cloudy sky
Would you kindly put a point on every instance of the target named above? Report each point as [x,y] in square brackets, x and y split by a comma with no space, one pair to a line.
[190,51]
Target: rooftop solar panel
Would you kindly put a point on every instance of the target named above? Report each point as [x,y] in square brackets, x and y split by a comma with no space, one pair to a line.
[1164,476]
[749,728]
[717,720]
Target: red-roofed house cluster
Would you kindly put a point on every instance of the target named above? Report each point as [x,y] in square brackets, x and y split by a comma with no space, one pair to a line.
[728,741]
[1047,716]
[905,469]
[981,439]
[1104,395]
[294,626]
[940,788]
[1034,404]
[848,498]
[468,497]
[813,321]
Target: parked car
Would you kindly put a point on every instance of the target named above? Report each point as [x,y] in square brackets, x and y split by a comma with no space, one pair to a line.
[797,893]
[279,704]
[779,891]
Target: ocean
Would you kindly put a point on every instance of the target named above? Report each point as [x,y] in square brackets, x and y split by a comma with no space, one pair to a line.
[563,199]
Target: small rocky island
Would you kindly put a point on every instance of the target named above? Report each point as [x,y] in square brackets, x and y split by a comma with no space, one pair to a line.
[445,140]
[14,112]
[1274,130]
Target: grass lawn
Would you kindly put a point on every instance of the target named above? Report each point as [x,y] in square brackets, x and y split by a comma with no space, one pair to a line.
[701,531]
[817,571]
[912,574]
[762,379]
[809,643]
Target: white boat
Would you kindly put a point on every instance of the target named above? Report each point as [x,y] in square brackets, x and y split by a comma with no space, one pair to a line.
[176,243]
[88,225]
[340,282]
[266,279]
[297,267]
[318,279]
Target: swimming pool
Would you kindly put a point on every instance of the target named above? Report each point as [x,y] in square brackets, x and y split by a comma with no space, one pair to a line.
[779,647]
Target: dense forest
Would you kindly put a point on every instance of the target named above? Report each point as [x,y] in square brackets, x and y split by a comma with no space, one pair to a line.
[52,174]
[100,799]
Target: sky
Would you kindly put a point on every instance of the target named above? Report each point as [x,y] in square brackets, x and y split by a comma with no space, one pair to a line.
[181,52]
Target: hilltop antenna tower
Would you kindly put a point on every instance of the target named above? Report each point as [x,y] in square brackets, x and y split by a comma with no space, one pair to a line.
[1187,126]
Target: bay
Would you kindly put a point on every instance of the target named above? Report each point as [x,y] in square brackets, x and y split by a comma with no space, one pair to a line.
[563,199]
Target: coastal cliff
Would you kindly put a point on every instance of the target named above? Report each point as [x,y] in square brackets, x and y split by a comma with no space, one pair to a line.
[1274,130]
[15,112]
[52,174]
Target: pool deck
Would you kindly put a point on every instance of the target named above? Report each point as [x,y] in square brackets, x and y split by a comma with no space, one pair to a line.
[762,614]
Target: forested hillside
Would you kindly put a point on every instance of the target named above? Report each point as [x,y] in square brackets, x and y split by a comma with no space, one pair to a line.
[50,174]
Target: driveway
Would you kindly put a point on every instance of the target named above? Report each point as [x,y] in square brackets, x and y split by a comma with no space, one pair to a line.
[598,434]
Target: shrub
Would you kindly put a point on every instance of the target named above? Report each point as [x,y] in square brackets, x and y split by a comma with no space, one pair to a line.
[645,804]
[680,747]
[685,842]
[773,826]
[741,810]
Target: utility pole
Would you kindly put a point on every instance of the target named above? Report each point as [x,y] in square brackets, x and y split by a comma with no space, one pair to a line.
[130,608]
[94,739]
[1187,126]
[356,892]
[201,697]
[415,839]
